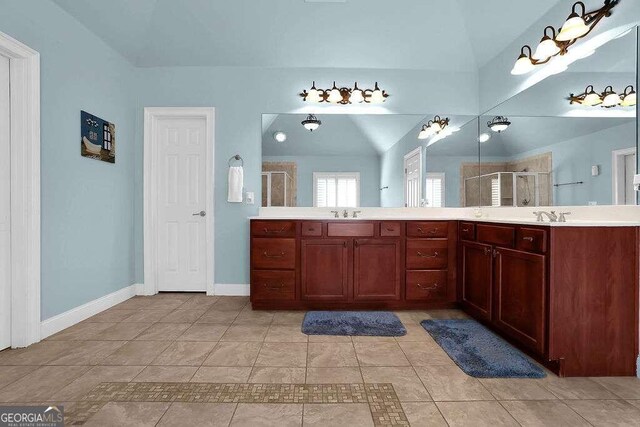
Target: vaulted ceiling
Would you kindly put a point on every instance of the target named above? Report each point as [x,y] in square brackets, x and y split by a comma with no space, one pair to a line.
[400,34]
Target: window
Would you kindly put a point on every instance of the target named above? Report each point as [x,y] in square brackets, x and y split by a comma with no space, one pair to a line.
[495,192]
[336,189]
[435,190]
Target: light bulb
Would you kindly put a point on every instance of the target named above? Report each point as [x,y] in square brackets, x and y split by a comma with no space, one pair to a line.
[334,96]
[546,49]
[356,96]
[573,28]
[313,95]
[522,66]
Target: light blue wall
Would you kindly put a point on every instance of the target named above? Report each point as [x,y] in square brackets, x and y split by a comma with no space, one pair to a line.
[369,168]
[87,205]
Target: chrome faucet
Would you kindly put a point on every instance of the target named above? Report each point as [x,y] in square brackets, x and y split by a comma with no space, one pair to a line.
[335,214]
[345,213]
[562,218]
[551,215]
[355,214]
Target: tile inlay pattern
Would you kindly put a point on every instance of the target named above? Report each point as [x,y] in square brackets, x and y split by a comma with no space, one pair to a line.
[382,399]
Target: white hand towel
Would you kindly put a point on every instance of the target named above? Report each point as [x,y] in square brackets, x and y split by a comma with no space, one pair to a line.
[236,183]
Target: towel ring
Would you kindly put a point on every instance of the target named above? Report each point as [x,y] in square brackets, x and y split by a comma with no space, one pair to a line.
[236,158]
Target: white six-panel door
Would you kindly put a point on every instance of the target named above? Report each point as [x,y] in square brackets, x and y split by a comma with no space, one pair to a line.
[182,203]
[413,178]
[5,206]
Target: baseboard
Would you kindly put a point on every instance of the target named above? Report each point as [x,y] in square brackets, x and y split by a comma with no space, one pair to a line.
[226,289]
[139,288]
[76,315]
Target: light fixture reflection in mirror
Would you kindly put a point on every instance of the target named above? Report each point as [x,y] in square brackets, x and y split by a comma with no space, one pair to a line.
[311,123]
[499,124]
[484,137]
[280,136]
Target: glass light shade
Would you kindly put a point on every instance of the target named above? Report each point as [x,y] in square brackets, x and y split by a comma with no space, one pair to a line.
[280,136]
[611,100]
[313,96]
[546,49]
[426,132]
[573,28]
[356,96]
[629,100]
[499,127]
[484,137]
[436,127]
[592,99]
[522,66]
[334,96]
[311,126]
[376,97]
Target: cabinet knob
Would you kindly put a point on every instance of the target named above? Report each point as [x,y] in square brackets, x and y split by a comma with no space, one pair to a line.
[487,251]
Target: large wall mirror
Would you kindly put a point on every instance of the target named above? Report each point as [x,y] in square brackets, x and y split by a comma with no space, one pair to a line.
[551,151]
[350,161]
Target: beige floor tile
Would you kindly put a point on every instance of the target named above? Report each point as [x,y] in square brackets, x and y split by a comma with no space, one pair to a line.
[329,338]
[575,388]
[380,354]
[203,332]
[516,389]
[475,414]
[233,354]
[606,413]
[183,316]
[285,333]
[425,353]
[185,353]
[198,415]
[41,384]
[136,353]
[288,318]
[166,374]
[9,374]
[333,355]
[96,375]
[214,374]
[163,332]
[111,316]
[218,317]
[121,331]
[265,374]
[267,415]
[81,353]
[289,355]
[635,403]
[199,302]
[245,333]
[446,314]
[370,340]
[135,303]
[139,414]
[449,383]
[147,316]
[623,387]
[338,415]
[247,317]
[81,331]
[36,354]
[230,303]
[415,332]
[348,375]
[543,413]
[423,414]
[405,381]
[406,317]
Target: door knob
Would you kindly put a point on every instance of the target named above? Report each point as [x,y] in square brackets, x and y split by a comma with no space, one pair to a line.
[201,213]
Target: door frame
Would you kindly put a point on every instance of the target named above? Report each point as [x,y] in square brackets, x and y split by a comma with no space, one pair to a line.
[417,150]
[151,117]
[24,66]
[617,173]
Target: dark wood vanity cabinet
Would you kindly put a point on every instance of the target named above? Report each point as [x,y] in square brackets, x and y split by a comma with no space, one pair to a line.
[324,270]
[377,269]
[477,279]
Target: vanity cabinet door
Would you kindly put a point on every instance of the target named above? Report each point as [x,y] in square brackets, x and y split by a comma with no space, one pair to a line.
[325,269]
[376,269]
[477,272]
[520,295]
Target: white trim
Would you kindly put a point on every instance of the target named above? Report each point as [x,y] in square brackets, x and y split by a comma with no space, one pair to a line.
[151,116]
[228,289]
[139,288]
[76,315]
[24,64]
[617,174]
[417,150]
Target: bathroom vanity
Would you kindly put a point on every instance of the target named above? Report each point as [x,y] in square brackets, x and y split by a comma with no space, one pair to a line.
[565,294]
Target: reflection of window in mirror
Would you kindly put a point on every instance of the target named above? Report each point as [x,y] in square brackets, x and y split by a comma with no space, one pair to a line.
[336,189]
[435,190]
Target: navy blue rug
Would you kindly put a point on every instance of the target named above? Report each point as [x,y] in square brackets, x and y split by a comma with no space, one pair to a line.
[366,323]
[479,352]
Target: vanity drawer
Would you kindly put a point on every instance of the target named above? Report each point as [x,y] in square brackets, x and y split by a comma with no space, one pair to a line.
[427,254]
[531,240]
[427,229]
[272,253]
[390,229]
[467,231]
[498,235]
[426,285]
[273,228]
[353,229]
[270,285]
[312,229]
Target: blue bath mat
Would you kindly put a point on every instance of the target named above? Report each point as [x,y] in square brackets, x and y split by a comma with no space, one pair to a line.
[367,323]
[479,352]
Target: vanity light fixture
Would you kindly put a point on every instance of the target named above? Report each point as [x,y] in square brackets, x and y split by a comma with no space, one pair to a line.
[607,99]
[433,127]
[499,124]
[578,25]
[280,136]
[345,95]
[311,123]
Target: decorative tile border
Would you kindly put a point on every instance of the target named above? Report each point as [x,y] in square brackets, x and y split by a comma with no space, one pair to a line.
[382,399]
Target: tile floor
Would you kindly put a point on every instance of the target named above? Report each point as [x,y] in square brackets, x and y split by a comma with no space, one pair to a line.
[187,338]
